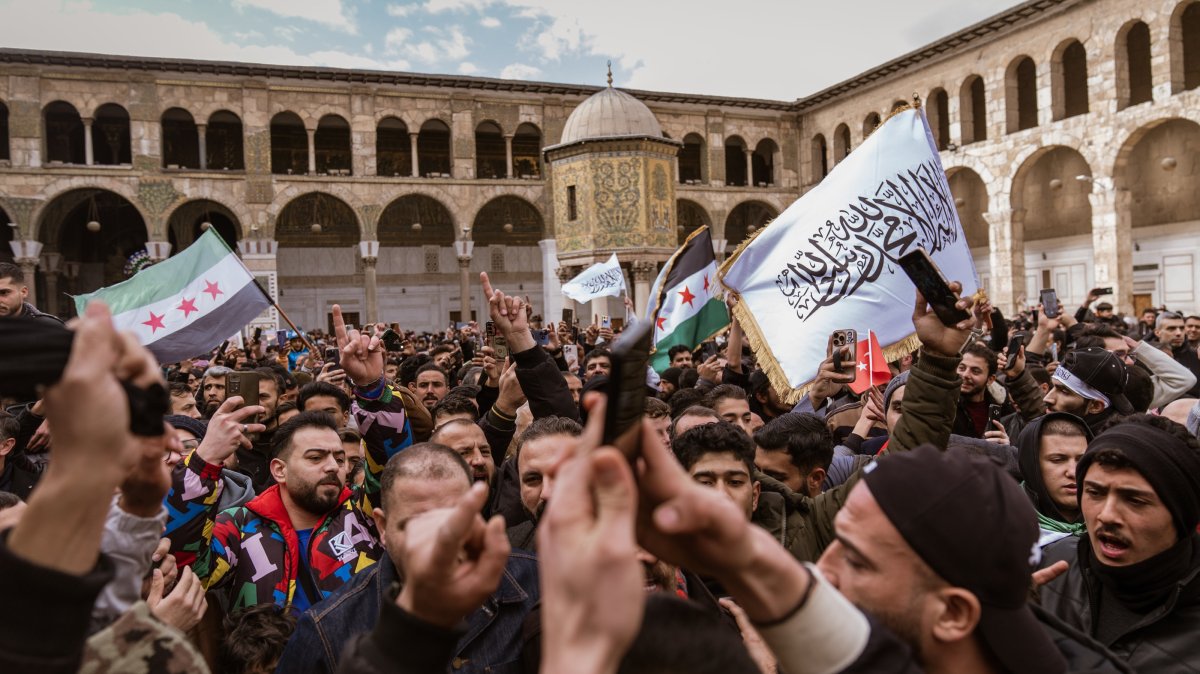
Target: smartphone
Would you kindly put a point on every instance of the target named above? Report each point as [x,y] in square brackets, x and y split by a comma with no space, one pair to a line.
[333,355]
[1102,291]
[627,389]
[257,334]
[844,342]
[392,340]
[244,384]
[606,322]
[542,337]
[224,345]
[933,286]
[994,413]
[568,316]
[1014,344]
[489,333]
[281,338]
[1050,303]
[500,346]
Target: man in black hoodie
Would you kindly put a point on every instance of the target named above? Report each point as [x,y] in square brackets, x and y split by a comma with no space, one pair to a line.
[1048,450]
[1090,383]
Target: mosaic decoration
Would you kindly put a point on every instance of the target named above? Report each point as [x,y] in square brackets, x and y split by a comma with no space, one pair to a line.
[617,196]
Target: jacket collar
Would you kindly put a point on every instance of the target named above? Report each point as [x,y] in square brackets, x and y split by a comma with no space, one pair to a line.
[509,592]
[269,505]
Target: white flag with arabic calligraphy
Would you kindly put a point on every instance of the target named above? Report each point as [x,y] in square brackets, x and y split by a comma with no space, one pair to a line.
[603,279]
[829,262]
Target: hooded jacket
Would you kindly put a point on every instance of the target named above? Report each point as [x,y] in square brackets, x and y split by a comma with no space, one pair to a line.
[1029,449]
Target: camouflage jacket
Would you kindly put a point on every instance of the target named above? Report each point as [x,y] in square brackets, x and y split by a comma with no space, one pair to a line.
[138,643]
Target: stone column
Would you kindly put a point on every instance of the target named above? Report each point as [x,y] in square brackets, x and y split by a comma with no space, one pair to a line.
[158,250]
[1112,243]
[1006,236]
[416,164]
[369,250]
[88,153]
[552,298]
[464,287]
[508,167]
[565,274]
[312,151]
[749,167]
[644,272]
[51,262]
[202,136]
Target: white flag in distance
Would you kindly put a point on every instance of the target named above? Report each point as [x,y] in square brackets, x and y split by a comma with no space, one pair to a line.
[829,262]
[603,279]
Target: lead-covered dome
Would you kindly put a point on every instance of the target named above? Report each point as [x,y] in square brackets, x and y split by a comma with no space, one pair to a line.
[610,113]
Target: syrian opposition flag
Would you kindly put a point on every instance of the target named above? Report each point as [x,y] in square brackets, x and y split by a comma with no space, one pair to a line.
[187,304]
[829,262]
[603,279]
[686,305]
[871,368]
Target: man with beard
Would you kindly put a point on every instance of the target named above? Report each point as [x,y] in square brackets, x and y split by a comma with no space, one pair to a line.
[1172,338]
[212,389]
[255,461]
[1090,384]
[431,385]
[538,450]
[13,293]
[1048,451]
[466,438]
[977,370]
[1133,582]
[426,479]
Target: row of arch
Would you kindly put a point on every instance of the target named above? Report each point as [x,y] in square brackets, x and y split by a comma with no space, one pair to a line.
[745,166]
[1068,87]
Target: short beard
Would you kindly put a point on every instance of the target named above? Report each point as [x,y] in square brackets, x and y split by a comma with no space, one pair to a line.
[310,499]
[904,624]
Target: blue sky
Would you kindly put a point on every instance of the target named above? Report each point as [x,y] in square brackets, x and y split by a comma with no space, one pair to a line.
[781,49]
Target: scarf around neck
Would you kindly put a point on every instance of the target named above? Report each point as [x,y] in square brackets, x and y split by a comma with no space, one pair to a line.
[1147,584]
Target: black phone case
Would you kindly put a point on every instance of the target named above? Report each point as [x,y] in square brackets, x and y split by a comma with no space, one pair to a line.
[627,383]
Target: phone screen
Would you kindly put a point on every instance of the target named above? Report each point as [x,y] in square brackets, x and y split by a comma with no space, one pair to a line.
[627,388]
[1050,303]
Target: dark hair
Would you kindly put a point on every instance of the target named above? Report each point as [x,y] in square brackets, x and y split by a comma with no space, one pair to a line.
[10,427]
[349,435]
[255,638]
[284,407]
[8,500]
[724,391]
[656,409]
[408,368]
[981,350]
[684,398]
[179,389]
[1101,330]
[271,374]
[431,367]
[454,404]
[425,461]
[551,425]
[689,377]
[716,438]
[678,348]
[598,352]
[805,437]
[1064,427]
[448,424]
[281,441]
[465,391]
[678,635]
[1115,458]
[1039,374]
[12,271]
[322,388]
[759,383]
[1139,389]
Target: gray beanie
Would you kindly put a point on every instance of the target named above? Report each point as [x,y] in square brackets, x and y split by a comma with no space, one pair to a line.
[893,385]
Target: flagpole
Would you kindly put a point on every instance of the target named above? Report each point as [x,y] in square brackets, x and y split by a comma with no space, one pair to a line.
[311,348]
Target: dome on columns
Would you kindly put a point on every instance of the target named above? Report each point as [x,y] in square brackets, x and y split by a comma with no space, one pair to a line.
[610,113]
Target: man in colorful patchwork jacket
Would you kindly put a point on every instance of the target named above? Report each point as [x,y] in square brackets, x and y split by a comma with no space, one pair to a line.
[306,536]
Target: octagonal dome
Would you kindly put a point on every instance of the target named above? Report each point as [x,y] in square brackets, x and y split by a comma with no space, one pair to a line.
[610,113]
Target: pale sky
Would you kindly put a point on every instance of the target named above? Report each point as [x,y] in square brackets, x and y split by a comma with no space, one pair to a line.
[778,49]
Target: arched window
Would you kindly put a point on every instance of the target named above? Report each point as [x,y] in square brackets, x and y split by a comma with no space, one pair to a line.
[972,110]
[527,152]
[841,143]
[223,142]
[820,158]
[1135,81]
[110,136]
[393,153]
[691,160]
[4,151]
[180,140]
[332,145]
[289,145]
[735,162]
[1021,86]
[1188,32]
[763,163]
[1069,77]
[938,110]
[491,152]
[433,149]
[870,123]
[64,134]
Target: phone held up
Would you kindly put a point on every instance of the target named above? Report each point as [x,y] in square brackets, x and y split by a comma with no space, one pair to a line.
[928,279]
[497,341]
[844,344]
[627,389]
[1050,303]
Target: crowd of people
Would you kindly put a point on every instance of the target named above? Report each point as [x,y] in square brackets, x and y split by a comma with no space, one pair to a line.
[1022,495]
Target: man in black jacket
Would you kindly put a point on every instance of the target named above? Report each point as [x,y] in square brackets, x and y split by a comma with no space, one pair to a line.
[14,291]
[1133,582]
[18,474]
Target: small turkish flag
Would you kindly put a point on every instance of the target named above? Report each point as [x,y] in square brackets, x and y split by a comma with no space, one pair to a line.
[872,369]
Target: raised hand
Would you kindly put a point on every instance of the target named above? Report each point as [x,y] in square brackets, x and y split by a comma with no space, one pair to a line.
[452,560]
[362,356]
[181,608]
[937,337]
[228,429]
[509,315]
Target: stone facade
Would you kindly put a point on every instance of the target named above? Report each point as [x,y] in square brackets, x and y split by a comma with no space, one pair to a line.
[1104,197]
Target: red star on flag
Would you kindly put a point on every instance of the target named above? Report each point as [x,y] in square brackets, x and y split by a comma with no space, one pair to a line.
[687,296]
[212,289]
[660,321]
[155,322]
[706,283]
[187,307]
